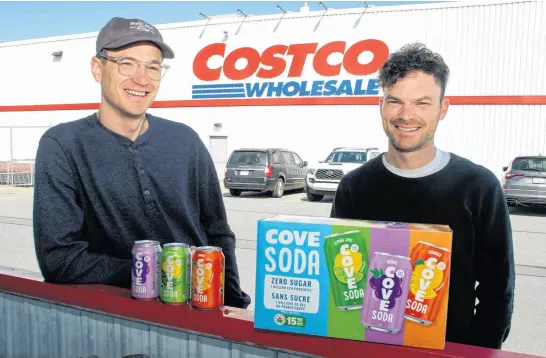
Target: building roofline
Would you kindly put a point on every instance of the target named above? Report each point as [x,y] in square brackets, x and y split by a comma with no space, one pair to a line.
[237,19]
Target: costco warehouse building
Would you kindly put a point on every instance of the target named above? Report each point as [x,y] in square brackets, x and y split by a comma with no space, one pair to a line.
[306,80]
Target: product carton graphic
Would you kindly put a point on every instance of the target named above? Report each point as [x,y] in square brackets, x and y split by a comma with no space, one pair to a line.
[381,282]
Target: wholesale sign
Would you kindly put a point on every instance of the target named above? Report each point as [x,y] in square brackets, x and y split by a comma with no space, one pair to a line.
[278,70]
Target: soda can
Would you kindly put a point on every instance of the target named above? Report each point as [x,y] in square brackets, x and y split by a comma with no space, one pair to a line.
[386,293]
[207,278]
[146,270]
[429,282]
[175,273]
[346,254]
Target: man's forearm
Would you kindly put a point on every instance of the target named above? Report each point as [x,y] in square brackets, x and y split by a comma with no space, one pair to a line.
[78,266]
[492,324]
[495,271]
[234,296]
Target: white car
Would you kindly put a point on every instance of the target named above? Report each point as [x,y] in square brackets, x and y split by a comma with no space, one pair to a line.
[325,177]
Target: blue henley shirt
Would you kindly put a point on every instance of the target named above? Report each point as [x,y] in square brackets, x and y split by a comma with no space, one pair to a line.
[97,192]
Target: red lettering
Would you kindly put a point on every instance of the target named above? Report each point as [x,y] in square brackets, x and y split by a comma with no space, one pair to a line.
[274,57]
[300,52]
[277,64]
[253,61]
[320,61]
[200,68]
[380,52]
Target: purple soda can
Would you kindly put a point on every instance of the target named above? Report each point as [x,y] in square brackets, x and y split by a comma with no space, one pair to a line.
[146,270]
[386,292]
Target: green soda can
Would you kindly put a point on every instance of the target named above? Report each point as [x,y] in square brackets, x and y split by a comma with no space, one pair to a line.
[175,273]
[346,257]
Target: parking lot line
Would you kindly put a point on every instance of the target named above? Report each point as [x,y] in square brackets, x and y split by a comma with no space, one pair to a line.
[293,197]
[289,201]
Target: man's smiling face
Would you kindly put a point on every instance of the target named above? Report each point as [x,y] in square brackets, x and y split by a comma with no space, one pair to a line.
[411,110]
[131,95]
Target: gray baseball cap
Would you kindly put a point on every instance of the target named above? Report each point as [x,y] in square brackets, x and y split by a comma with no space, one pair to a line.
[119,32]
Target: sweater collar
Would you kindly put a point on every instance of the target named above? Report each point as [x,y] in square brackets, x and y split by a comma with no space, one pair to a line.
[139,141]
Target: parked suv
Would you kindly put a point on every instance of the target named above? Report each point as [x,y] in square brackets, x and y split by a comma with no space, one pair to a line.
[264,170]
[524,181]
[325,178]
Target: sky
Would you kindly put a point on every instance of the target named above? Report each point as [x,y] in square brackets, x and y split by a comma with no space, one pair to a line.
[31,20]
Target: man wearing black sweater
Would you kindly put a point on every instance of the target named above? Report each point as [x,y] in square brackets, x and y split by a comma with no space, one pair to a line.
[122,175]
[416,182]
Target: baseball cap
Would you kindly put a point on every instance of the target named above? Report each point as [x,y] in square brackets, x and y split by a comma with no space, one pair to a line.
[119,32]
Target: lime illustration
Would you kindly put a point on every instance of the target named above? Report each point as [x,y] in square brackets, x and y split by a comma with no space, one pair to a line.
[342,276]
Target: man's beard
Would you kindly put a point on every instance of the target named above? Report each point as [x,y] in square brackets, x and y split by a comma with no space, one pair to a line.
[422,143]
[429,136]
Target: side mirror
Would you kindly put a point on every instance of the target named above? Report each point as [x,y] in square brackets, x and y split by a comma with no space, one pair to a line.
[305,163]
[504,169]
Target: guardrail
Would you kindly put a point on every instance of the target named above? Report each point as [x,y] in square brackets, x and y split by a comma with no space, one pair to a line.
[43,319]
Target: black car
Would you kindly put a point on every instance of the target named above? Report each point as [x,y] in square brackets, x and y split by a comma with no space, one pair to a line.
[264,170]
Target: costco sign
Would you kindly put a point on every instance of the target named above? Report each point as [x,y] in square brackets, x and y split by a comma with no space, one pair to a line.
[288,62]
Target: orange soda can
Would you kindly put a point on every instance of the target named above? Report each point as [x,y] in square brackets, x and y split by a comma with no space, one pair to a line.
[429,282]
[207,278]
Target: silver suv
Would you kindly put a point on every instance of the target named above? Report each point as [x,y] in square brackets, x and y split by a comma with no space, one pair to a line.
[323,178]
[524,181]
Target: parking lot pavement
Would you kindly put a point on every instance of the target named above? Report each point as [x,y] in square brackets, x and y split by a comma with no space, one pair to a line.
[529,227]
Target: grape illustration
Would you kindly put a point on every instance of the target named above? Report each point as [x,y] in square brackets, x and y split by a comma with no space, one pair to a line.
[376,282]
[145,270]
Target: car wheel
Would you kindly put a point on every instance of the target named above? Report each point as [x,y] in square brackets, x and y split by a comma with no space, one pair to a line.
[314,197]
[279,188]
[234,192]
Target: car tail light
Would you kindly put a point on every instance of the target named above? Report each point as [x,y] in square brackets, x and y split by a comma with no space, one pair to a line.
[268,171]
[511,175]
[225,170]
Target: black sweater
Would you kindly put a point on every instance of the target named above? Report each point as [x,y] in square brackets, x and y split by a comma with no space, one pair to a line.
[469,199]
[97,192]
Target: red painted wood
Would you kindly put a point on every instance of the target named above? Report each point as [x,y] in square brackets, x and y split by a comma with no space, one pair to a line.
[231,324]
[299,101]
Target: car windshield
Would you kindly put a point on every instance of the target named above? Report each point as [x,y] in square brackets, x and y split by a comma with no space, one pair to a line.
[536,164]
[347,157]
[250,157]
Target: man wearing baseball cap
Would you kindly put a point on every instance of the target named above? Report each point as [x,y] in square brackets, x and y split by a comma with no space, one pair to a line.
[122,175]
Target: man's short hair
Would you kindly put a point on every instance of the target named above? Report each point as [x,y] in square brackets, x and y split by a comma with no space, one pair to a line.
[410,58]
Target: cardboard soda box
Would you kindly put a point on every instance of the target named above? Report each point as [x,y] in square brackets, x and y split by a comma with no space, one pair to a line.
[383,282]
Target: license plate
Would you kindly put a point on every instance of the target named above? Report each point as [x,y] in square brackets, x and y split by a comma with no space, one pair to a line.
[539,180]
[243,172]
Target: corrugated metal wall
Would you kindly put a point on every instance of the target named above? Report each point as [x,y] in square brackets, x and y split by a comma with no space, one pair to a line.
[31,328]
[492,48]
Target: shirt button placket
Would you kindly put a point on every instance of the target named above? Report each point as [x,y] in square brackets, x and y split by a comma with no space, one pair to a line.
[143,181]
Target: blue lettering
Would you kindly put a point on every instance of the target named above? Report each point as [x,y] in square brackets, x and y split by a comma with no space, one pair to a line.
[272,87]
[304,91]
[316,90]
[345,88]
[359,91]
[288,91]
[357,87]
[330,88]
[373,87]
[254,89]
